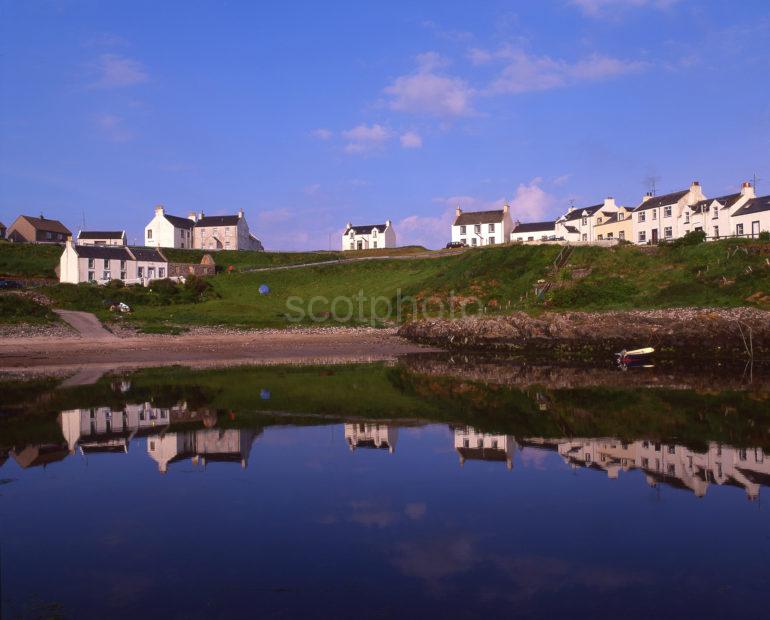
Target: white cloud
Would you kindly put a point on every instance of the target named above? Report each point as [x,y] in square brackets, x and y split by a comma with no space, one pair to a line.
[113,127]
[561,180]
[427,92]
[364,138]
[531,202]
[428,231]
[600,8]
[411,140]
[322,134]
[526,73]
[115,71]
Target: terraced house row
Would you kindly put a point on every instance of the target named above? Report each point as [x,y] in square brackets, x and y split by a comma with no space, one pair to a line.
[656,218]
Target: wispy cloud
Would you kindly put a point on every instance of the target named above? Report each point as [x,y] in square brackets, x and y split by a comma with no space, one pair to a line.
[531,202]
[322,134]
[116,71]
[448,34]
[426,91]
[113,128]
[411,140]
[525,72]
[603,8]
[365,138]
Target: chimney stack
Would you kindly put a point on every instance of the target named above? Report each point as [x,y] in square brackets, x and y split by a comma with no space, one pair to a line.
[192,216]
[201,215]
[506,208]
[747,189]
[240,214]
[609,203]
[646,197]
[458,211]
[388,223]
[160,210]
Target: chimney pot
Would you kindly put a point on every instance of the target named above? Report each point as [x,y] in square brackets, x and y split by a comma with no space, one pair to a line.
[458,211]
[695,183]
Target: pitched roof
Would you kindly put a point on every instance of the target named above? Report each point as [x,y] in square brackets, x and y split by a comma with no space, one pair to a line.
[110,252]
[725,201]
[662,201]
[611,218]
[755,205]
[483,454]
[101,234]
[365,230]
[534,226]
[117,252]
[479,217]
[217,220]
[2,225]
[46,225]
[571,229]
[148,254]
[179,222]
[576,214]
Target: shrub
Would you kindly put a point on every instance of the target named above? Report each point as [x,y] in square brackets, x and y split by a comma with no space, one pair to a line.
[764,235]
[694,237]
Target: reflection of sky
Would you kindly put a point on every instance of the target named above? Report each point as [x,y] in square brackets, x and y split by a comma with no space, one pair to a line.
[311,528]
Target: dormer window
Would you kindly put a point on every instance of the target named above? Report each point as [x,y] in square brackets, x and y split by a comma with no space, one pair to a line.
[352,233]
[585,221]
[374,233]
[598,220]
[621,217]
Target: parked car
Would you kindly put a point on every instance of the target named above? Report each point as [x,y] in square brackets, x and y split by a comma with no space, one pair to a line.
[456,244]
[7,285]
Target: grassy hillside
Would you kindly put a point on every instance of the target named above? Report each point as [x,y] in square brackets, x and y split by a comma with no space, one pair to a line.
[28,260]
[490,280]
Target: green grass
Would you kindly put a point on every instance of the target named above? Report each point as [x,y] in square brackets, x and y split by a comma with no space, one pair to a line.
[29,260]
[489,280]
[17,309]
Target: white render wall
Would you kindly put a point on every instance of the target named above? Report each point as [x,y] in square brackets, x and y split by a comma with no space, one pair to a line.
[534,235]
[372,240]
[484,234]
[160,233]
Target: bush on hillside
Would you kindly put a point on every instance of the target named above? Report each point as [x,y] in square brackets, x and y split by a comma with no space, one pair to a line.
[694,237]
[764,235]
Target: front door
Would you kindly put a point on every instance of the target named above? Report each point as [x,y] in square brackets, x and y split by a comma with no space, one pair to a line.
[755,229]
[360,245]
[654,235]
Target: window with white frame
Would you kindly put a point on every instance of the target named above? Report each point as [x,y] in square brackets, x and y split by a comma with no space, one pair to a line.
[667,211]
[642,236]
[491,241]
[491,228]
[716,232]
[642,216]
[668,233]
[739,229]
[462,230]
[477,229]
[655,214]
[622,234]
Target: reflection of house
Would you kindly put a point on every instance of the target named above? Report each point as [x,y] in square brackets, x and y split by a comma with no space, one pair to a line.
[473,445]
[202,446]
[678,466]
[102,429]
[40,455]
[377,436]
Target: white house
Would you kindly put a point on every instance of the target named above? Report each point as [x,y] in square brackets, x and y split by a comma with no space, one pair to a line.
[101,237]
[714,215]
[579,224]
[752,218]
[476,228]
[370,237]
[533,231]
[664,217]
[377,436]
[203,446]
[223,232]
[473,445]
[168,231]
[101,264]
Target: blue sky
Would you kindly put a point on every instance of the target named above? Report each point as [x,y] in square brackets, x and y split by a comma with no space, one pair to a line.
[311,114]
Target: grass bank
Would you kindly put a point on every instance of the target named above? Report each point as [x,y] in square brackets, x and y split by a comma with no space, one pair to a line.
[494,280]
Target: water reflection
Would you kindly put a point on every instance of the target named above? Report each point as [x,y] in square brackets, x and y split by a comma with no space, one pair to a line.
[169,440]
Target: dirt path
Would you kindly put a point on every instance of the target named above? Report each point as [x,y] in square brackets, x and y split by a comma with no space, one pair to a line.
[86,324]
[270,347]
[343,261]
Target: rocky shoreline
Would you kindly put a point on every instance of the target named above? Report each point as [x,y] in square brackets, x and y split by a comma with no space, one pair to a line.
[734,333]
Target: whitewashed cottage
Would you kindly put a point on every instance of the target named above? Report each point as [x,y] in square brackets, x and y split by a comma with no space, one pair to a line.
[479,228]
[369,237]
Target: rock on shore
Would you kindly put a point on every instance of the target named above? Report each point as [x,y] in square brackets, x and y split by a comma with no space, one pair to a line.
[676,332]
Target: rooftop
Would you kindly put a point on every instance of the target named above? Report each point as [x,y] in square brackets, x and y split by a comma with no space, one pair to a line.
[101,234]
[755,205]
[534,227]
[46,225]
[365,230]
[479,217]
[662,201]
[217,220]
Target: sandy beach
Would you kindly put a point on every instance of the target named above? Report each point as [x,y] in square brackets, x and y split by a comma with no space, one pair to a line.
[48,353]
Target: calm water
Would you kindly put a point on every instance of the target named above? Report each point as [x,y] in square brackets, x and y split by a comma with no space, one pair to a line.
[377,491]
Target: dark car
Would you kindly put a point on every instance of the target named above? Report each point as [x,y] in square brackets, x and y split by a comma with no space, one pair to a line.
[6,285]
[456,244]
